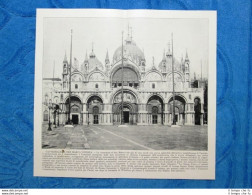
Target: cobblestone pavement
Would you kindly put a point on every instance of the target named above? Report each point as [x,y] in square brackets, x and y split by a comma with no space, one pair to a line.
[98,137]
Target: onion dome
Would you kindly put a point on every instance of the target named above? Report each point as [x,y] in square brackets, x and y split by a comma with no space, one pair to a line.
[166,64]
[130,51]
[93,62]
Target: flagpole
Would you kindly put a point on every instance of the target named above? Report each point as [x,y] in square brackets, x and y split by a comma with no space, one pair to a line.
[173,88]
[122,117]
[53,71]
[70,64]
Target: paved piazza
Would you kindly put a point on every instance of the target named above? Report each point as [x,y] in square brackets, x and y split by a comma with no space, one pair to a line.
[126,138]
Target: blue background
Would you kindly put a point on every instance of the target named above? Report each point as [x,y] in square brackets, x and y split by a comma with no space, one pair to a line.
[234,136]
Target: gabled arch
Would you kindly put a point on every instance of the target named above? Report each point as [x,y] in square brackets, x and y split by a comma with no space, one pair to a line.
[78,73]
[153,71]
[126,65]
[176,72]
[97,71]
[125,62]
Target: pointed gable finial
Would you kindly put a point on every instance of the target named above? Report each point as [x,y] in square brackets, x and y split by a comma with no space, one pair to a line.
[92,54]
[65,57]
[169,49]
[107,57]
[186,57]
[153,61]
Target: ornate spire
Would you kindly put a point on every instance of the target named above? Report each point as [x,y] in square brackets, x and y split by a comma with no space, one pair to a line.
[107,57]
[186,57]
[153,62]
[169,49]
[65,58]
[92,54]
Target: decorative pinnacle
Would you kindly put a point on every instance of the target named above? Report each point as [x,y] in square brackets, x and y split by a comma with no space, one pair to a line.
[107,56]
[65,58]
[186,57]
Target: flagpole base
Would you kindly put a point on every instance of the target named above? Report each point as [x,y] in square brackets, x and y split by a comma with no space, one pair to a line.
[176,126]
[122,125]
[71,126]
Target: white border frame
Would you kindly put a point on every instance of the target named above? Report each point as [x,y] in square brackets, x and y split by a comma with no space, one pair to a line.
[211,15]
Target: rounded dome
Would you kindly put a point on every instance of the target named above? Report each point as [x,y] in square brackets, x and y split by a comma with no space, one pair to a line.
[131,52]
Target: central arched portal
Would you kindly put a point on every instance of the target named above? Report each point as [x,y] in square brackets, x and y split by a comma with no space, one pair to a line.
[128,109]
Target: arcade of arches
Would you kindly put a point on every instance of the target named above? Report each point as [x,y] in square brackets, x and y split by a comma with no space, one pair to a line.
[156,110]
[147,98]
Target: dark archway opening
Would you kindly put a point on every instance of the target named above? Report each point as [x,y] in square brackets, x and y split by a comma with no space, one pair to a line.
[76,108]
[197,110]
[155,109]
[179,109]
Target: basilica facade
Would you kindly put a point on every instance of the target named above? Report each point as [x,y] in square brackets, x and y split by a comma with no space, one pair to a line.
[97,89]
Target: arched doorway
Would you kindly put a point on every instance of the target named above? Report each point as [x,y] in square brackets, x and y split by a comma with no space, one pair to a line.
[179,109]
[76,107]
[197,111]
[94,108]
[155,108]
[96,114]
[128,109]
